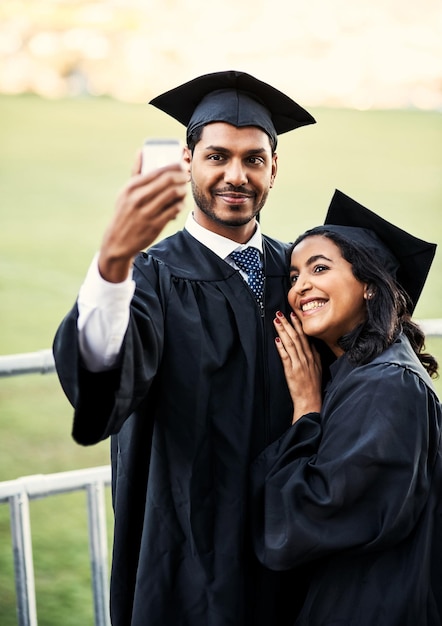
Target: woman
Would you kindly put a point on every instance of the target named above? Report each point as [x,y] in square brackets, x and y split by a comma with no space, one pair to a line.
[351,493]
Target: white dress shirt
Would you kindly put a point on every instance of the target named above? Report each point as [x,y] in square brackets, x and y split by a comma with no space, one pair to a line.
[104,307]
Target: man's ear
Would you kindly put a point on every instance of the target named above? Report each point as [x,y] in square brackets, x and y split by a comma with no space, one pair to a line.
[274,169]
[187,160]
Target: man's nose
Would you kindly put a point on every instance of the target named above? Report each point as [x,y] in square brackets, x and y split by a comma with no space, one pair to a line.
[235,173]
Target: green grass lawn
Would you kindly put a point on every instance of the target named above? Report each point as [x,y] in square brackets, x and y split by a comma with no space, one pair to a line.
[61,165]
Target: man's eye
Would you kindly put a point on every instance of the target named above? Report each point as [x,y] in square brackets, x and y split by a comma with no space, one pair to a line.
[254,160]
[215,157]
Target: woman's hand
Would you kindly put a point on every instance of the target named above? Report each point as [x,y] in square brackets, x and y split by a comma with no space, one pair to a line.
[302,365]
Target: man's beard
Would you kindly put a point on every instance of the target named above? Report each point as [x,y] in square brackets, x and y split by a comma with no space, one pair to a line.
[206,205]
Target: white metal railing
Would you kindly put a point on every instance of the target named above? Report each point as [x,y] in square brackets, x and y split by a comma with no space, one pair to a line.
[18,493]
[431,327]
[41,362]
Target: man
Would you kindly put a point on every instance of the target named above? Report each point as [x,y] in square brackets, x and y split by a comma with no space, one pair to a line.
[170,352]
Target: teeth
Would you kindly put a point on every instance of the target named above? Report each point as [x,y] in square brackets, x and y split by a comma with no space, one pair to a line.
[314,304]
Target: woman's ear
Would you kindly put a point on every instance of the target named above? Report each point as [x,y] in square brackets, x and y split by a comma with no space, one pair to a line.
[369,292]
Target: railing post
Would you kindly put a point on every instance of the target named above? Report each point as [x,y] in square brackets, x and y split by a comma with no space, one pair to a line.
[98,551]
[23,563]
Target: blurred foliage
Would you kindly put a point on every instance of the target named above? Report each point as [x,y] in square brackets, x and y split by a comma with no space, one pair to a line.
[381,54]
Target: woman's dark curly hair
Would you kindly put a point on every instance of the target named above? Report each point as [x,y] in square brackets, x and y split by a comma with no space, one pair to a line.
[388,311]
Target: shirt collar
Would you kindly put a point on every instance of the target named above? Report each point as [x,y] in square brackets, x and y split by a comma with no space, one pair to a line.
[217,243]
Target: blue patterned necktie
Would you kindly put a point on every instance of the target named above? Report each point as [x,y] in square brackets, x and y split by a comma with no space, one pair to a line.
[249,260]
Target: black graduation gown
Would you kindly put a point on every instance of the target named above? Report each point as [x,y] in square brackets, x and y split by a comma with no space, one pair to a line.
[352,497]
[199,393]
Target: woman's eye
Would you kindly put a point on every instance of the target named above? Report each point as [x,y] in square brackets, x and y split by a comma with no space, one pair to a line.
[320,268]
[293,278]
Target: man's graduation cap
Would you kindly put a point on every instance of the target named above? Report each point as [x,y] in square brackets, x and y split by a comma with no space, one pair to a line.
[233,97]
[406,257]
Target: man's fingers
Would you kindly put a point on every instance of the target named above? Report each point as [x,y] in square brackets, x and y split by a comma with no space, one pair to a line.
[136,169]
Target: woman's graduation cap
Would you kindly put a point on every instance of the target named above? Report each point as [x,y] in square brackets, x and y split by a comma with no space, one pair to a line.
[406,257]
[233,97]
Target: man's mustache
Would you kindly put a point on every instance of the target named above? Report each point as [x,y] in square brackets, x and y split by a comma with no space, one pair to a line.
[232,189]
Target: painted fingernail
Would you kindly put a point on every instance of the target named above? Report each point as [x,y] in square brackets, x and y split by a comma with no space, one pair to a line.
[279,314]
[277,321]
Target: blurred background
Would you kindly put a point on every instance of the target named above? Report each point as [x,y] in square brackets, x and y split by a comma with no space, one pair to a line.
[75,79]
[382,53]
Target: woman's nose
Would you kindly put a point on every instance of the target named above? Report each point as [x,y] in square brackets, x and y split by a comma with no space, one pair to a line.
[302,284]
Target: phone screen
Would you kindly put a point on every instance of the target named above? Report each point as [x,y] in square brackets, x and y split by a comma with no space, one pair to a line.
[158,152]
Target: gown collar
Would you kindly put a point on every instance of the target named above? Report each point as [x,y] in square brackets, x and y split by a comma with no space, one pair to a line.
[221,246]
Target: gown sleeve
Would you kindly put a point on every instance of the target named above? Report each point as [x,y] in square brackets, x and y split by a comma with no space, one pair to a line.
[354,478]
[103,401]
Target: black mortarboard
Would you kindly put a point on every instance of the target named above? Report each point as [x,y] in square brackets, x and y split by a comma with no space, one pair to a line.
[233,97]
[406,257]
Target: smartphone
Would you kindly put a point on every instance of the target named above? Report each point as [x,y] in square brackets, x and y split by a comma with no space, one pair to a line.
[158,152]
